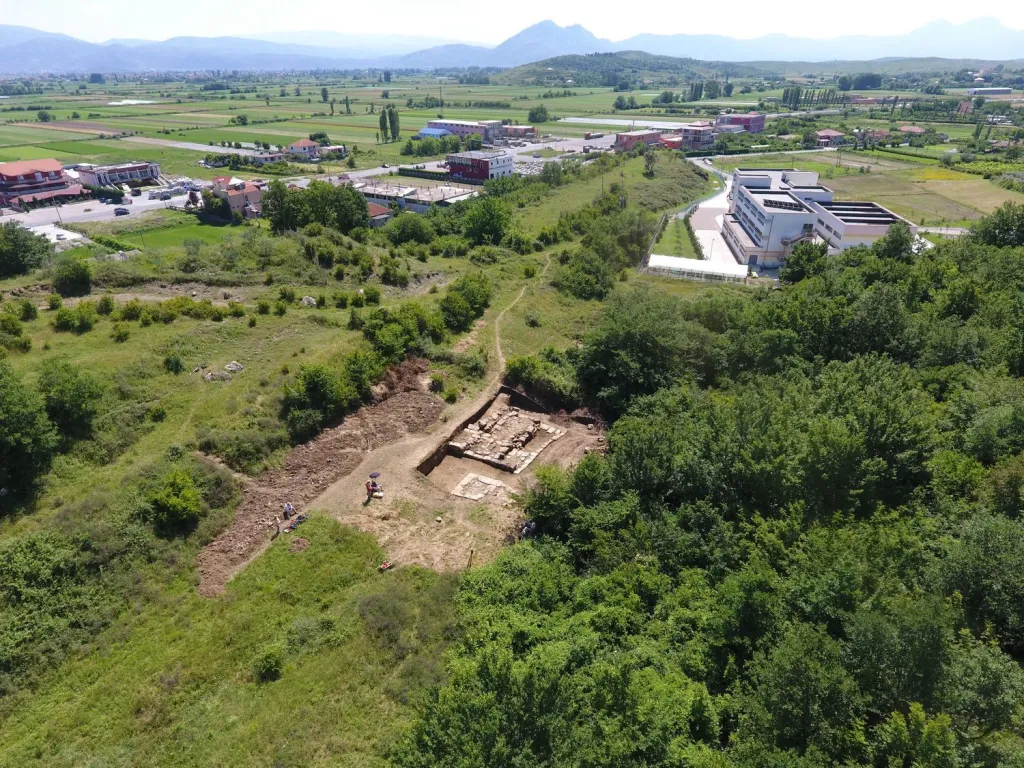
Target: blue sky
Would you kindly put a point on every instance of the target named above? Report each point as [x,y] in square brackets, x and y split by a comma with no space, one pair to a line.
[99,20]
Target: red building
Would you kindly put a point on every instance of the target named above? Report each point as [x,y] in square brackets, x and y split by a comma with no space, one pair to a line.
[479,166]
[626,141]
[33,181]
[752,122]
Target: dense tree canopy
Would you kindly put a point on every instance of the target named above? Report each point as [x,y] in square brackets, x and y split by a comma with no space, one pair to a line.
[803,547]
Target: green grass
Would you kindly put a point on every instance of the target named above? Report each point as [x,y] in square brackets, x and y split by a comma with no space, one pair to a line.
[171,683]
[675,241]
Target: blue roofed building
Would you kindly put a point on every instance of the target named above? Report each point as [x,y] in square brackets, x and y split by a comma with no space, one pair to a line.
[433,133]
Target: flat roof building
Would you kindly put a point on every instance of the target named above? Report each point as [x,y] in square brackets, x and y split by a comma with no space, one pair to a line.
[479,166]
[132,173]
[989,91]
[774,209]
[626,141]
[488,130]
[752,122]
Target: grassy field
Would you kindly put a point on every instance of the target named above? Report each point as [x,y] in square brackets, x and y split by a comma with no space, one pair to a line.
[675,241]
[172,682]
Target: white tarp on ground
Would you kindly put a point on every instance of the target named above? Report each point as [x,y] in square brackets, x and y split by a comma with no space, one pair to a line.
[702,269]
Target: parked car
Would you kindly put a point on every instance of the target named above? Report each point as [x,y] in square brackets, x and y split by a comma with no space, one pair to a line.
[121,211]
[61,236]
[136,192]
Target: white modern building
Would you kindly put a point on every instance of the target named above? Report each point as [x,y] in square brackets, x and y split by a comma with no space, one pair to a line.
[773,209]
[137,173]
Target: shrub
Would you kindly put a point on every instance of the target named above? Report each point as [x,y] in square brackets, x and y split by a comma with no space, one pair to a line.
[372,294]
[321,301]
[263,307]
[72,277]
[131,311]
[280,309]
[436,383]
[341,300]
[532,320]
[54,301]
[252,322]
[119,333]
[176,503]
[304,424]
[269,663]
[339,273]
[105,305]
[21,251]
[358,299]
[23,310]
[235,309]
[173,364]
[28,439]
[529,271]
[286,293]
[81,319]
[451,396]
[71,396]
[409,227]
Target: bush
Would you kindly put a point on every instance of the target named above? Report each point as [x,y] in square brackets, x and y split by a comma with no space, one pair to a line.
[529,271]
[263,307]
[119,333]
[104,306]
[23,309]
[269,663]
[72,277]
[372,294]
[71,396]
[341,300]
[286,293]
[81,319]
[408,227]
[54,301]
[21,251]
[436,383]
[358,299]
[173,364]
[339,273]
[304,424]
[28,439]
[280,309]
[131,311]
[176,503]
[252,322]
[451,396]
[235,309]
[532,320]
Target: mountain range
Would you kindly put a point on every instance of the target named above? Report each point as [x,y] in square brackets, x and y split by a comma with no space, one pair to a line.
[26,50]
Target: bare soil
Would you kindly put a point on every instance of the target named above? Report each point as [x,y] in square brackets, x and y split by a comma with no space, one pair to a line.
[307,471]
[417,521]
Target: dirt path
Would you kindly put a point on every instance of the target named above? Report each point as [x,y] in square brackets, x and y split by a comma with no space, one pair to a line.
[416,522]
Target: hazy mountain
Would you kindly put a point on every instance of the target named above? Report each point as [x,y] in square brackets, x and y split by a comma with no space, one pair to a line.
[128,42]
[978,39]
[21,52]
[357,46]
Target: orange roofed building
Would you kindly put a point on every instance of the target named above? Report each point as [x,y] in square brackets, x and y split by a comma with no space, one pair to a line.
[34,181]
[242,196]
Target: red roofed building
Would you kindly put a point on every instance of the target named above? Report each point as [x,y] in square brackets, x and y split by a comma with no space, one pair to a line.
[242,196]
[31,181]
[829,138]
[379,214]
[913,129]
[305,148]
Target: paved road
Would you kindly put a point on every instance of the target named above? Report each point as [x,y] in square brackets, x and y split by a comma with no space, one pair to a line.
[204,148]
[92,210]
